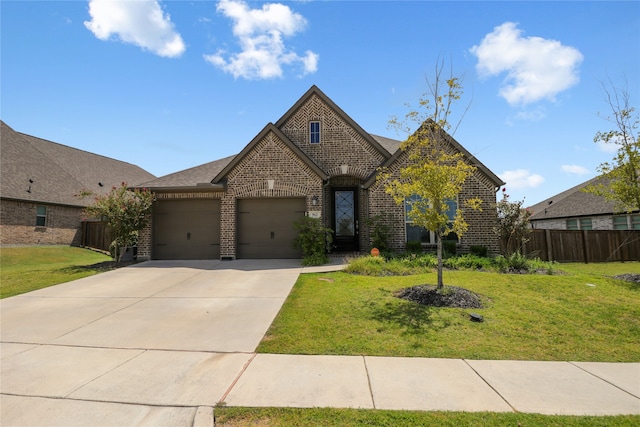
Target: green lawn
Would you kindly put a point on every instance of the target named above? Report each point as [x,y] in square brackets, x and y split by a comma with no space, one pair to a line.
[25,269]
[581,315]
[284,417]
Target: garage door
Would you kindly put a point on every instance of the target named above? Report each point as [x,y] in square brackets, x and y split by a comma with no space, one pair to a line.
[187,229]
[265,227]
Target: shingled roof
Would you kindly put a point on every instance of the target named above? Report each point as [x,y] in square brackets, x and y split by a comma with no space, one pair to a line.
[196,177]
[573,202]
[192,177]
[36,170]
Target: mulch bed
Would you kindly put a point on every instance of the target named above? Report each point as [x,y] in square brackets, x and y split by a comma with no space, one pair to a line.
[449,296]
[629,277]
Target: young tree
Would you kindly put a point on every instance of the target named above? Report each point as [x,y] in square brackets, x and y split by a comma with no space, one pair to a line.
[125,211]
[435,172]
[623,172]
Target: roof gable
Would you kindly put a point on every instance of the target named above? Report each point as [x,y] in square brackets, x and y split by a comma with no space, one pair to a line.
[249,147]
[493,178]
[315,91]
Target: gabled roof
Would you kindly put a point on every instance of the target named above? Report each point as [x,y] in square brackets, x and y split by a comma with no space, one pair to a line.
[314,90]
[574,202]
[470,157]
[37,170]
[269,128]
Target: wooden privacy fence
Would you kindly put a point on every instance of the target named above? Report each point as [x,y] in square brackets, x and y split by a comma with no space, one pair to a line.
[584,245]
[96,235]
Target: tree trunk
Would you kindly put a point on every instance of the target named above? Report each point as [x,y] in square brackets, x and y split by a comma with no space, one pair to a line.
[439,254]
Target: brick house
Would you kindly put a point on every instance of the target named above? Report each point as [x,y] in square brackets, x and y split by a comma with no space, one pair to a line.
[38,183]
[316,161]
[575,209]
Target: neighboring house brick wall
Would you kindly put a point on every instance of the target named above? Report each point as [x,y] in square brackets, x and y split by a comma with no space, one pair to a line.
[18,225]
[550,224]
[600,222]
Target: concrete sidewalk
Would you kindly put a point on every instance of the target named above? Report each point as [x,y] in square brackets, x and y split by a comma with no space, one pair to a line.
[162,343]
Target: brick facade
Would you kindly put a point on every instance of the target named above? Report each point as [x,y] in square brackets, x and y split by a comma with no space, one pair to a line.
[18,226]
[482,223]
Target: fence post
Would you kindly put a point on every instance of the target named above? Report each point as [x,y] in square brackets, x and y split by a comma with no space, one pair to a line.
[547,238]
[585,252]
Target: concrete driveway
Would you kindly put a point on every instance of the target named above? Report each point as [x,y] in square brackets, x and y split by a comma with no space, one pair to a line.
[161,343]
[147,344]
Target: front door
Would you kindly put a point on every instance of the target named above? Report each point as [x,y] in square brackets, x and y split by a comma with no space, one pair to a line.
[345,219]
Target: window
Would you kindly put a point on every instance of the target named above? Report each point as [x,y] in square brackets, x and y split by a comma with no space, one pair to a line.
[620,222]
[626,222]
[585,224]
[421,234]
[314,132]
[41,216]
[579,224]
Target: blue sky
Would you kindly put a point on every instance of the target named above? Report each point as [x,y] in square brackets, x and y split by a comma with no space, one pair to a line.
[172,84]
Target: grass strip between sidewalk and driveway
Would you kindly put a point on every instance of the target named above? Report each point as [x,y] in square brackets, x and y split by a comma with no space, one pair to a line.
[27,268]
[327,417]
[580,315]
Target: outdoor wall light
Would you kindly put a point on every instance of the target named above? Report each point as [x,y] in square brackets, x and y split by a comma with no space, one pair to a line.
[314,200]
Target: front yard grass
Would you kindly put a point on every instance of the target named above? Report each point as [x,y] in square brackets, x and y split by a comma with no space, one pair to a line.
[580,315]
[327,417]
[28,268]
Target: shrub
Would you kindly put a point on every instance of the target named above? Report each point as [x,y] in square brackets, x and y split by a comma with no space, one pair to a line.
[380,232]
[314,239]
[449,247]
[479,250]
[469,261]
[414,247]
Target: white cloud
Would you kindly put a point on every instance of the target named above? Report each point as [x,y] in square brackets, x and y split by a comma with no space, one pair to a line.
[536,68]
[142,23]
[575,169]
[521,178]
[260,33]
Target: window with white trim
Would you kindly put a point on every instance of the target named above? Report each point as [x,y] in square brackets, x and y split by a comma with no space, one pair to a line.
[41,216]
[314,132]
[420,234]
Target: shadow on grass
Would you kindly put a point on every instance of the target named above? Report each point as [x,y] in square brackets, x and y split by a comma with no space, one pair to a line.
[412,318]
[98,267]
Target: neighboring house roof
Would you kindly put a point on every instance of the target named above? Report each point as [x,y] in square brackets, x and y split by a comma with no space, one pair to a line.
[573,202]
[37,170]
